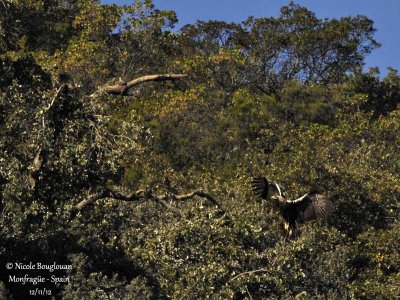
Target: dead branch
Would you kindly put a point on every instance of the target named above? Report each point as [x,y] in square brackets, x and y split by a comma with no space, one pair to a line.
[195,193]
[170,207]
[122,88]
[34,168]
[262,270]
[108,193]
[141,195]
[62,89]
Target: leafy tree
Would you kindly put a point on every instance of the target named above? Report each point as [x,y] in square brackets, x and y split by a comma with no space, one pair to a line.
[36,25]
[380,96]
[296,45]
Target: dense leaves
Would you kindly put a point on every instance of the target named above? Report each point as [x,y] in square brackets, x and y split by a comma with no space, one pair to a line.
[280,97]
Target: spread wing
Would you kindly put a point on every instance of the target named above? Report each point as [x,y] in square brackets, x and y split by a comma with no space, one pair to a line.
[312,206]
[265,188]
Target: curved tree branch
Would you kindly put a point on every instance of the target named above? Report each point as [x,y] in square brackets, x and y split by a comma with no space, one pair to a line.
[168,206]
[123,87]
[196,193]
[262,270]
[141,195]
[108,193]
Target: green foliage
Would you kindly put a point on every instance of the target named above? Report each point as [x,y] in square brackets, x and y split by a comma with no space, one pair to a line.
[260,99]
[35,25]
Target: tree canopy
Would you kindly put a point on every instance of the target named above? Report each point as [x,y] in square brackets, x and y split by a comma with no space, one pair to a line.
[127,150]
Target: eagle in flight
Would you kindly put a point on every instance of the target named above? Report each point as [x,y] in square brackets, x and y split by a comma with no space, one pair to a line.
[308,207]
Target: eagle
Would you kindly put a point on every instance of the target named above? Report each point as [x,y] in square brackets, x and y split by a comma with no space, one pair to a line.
[310,206]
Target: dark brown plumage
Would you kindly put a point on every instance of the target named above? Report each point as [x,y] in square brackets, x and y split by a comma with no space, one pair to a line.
[308,207]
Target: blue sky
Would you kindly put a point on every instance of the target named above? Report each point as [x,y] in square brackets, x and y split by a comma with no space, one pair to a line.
[384,13]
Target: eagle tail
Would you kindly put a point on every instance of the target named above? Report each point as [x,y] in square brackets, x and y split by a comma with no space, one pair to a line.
[292,231]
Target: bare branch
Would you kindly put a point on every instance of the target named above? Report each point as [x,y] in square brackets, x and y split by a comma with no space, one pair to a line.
[196,193]
[34,168]
[267,269]
[141,195]
[62,89]
[262,270]
[123,87]
[37,162]
[108,193]
[170,207]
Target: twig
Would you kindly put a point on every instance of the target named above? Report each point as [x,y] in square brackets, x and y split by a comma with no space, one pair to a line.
[249,272]
[57,94]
